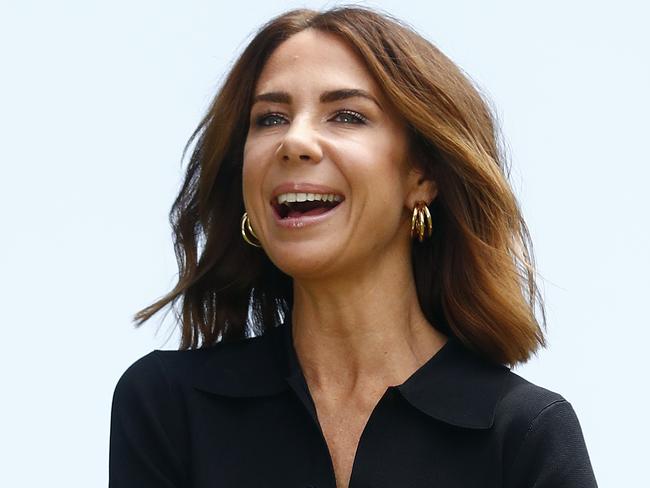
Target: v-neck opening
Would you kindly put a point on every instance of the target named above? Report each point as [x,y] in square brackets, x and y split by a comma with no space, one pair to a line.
[294,367]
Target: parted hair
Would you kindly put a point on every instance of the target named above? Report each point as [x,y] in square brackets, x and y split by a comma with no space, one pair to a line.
[475,277]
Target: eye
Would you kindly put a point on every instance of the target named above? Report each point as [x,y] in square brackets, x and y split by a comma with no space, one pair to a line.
[345,116]
[269,119]
[351,117]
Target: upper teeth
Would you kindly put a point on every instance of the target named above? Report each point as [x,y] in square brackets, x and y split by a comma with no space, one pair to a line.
[301,197]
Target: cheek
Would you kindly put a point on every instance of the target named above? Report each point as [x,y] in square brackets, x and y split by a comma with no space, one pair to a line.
[252,170]
[379,170]
[256,154]
[380,173]
[377,180]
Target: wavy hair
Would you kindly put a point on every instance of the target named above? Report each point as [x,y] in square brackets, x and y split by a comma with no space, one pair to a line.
[475,276]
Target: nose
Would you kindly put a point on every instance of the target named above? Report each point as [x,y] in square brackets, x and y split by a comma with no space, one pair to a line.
[300,143]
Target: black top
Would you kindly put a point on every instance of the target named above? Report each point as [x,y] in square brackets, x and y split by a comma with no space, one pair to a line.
[239,415]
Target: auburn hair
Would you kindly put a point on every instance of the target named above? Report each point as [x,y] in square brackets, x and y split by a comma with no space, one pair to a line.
[475,276]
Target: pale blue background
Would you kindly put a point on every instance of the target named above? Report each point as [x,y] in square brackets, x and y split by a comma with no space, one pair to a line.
[97,100]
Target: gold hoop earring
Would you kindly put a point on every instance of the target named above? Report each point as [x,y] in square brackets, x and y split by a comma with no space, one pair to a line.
[421,222]
[246,226]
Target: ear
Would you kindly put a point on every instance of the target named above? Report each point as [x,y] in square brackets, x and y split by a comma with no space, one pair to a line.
[420,189]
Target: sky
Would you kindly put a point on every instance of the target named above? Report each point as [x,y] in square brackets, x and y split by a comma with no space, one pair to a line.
[97,100]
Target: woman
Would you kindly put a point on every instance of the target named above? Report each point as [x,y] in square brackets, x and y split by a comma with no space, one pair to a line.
[346,204]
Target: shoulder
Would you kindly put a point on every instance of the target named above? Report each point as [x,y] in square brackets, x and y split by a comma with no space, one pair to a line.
[161,368]
[163,371]
[157,370]
[541,436]
[523,404]
[522,401]
[150,426]
[144,388]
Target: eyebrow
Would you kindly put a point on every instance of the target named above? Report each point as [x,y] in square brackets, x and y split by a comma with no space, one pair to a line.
[325,97]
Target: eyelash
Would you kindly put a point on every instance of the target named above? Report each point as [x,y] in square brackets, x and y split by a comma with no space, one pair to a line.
[361,119]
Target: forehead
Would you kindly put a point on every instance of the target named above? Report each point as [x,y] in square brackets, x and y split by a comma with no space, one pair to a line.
[311,58]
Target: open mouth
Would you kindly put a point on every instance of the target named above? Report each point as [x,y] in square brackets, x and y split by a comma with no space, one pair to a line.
[293,210]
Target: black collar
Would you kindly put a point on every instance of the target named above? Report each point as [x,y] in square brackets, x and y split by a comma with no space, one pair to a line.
[454,386]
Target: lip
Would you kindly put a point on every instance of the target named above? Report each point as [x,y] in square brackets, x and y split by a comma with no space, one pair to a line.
[305,220]
[292,187]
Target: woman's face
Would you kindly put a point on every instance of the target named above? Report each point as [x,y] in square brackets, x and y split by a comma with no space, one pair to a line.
[320,119]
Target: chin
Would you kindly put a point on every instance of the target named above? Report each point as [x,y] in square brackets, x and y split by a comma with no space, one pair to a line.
[305,260]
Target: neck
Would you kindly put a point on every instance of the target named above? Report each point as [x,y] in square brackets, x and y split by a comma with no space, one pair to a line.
[354,335]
